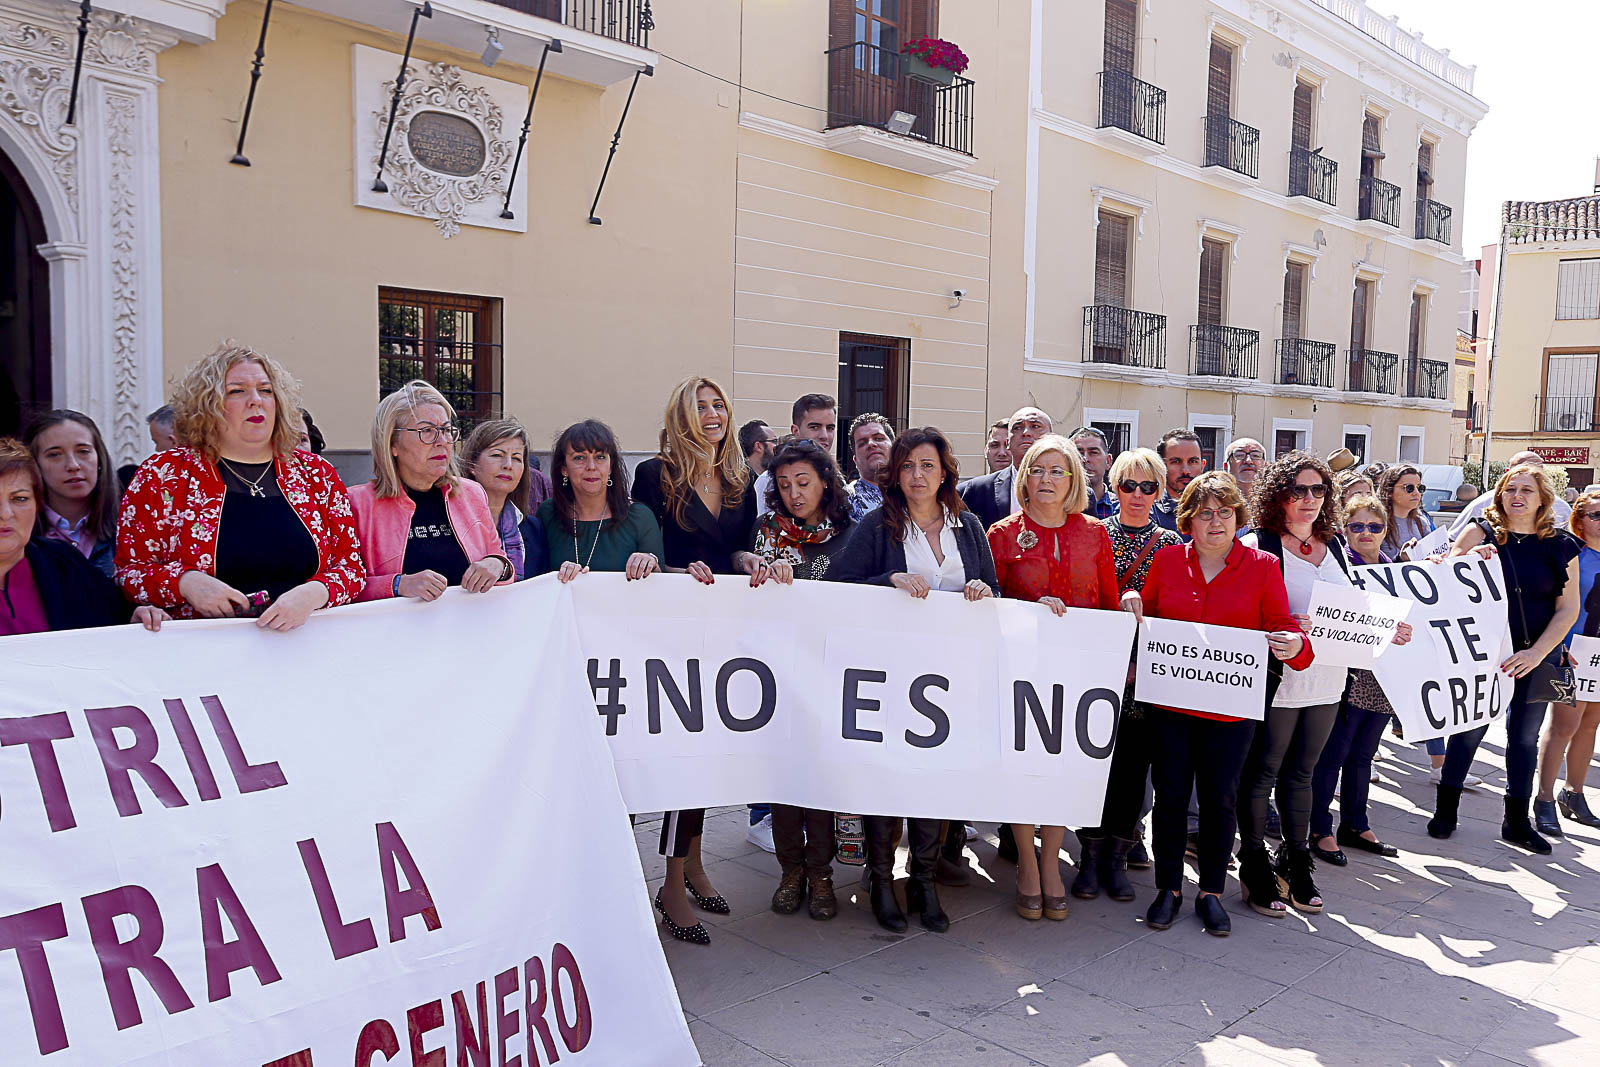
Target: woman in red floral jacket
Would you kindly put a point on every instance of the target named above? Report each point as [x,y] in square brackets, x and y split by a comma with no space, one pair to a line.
[238,522]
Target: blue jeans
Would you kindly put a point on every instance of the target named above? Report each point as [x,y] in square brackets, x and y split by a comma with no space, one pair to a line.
[1522,746]
[1434,745]
[1350,748]
[759,812]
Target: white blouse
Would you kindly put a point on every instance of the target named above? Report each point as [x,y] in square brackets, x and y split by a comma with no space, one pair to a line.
[951,575]
[1317,684]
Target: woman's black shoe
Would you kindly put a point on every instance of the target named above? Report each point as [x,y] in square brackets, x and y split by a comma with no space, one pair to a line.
[695,935]
[1443,823]
[921,896]
[1213,916]
[1576,808]
[885,908]
[1163,910]
[1334,856]
[1114,869]
[1139,856]
[1348,838]
[1544,818]
[716,905]
[1516,828]
[1295,866]
[1260,885]
[1086,886]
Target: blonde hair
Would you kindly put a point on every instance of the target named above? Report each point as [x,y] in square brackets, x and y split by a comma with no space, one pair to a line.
[1346,479]
[392,410]
[487,433]
[1212,485]
[1544,520]
[1077,492]
[1136,461]
[199,396]
[1366,502]
[1575,520]
[687,456]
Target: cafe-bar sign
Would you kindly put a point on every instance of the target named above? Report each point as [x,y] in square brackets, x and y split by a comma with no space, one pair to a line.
[1566,457]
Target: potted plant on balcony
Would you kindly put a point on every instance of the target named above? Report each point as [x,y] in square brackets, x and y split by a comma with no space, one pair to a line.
[934,61]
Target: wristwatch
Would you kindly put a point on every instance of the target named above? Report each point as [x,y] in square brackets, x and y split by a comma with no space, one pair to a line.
[507,570]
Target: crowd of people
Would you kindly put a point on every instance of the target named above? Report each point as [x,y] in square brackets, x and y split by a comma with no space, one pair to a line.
[237,515]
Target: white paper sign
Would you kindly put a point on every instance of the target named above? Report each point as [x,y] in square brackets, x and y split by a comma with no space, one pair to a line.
[1437,541]
[1586,658]
[1351,627]
[1217,669]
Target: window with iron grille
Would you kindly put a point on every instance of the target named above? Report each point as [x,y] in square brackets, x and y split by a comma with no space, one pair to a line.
[449,340]
[1210,445]
[1578,289]
[874,375]
[1119,436]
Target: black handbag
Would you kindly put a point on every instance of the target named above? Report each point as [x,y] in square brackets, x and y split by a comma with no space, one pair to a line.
[1553,681]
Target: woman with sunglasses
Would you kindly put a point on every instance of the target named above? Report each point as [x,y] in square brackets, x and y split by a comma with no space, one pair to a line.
[1359,727]
[1400,488]
[1569,735]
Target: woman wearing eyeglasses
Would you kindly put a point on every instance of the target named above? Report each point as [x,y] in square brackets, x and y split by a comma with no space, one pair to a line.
[1400,488]
[1569,735]
[423,527]
[1220,581]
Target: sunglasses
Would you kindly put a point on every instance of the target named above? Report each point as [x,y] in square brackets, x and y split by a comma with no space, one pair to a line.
[1364,527]
[1128,485]
[1413,488]
[1301,492]
[1593,516]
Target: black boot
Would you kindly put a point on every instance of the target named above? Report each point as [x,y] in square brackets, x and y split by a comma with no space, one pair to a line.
[1260,884]
[1516,828]
[1295,867]
[921,892]
[880,864]
[1114,869]
[952,858]
[1006,843]
[1087,885]
[1443,823]
[1544,818]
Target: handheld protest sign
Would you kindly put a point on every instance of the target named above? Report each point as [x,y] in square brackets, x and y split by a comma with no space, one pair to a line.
[1351,627]
[1216,669]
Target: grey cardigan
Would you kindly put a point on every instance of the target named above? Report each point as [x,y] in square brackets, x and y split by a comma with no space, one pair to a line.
[872,555]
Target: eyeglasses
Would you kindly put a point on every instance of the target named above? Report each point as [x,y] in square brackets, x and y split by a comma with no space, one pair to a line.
[1301,492]
[1254,455]
[430,434]
[1055,474]
[1592,516]
[1213,514]
[1128,485]
[1364,527]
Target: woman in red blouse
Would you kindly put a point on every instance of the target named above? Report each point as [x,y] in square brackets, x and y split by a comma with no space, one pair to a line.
[1220,582]
[1052,553]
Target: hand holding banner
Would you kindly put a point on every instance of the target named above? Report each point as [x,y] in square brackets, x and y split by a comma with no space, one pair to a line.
[1351,627]
[1216,669]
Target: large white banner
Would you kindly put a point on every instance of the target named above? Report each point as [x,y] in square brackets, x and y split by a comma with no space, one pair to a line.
[392,836]
[1447,678]
[853,698]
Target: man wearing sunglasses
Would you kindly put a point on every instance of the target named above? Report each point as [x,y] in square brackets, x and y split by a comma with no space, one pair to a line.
[1474,511]
[1095,452]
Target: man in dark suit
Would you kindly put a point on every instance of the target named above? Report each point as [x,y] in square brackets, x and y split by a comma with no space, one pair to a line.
[992,496]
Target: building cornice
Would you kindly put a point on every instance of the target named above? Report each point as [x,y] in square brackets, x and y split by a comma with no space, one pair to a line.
[788,131]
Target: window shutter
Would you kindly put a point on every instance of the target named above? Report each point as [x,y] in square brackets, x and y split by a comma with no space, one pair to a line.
[1424,170]
[1578,289]
[1294,281]
[1122,20]
[1213,259]
[1111,260]
[841,23]
[1371,143]
[1300,128]
[1414,337]
[1358,314]
[1219,84]
[919,18]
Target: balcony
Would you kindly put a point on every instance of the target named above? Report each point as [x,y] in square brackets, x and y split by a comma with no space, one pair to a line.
[1232,145]
[1370,371]
[1136,107]
[1433,221]
[1303,362]
[1426,378]
[878,112]
[1379,201]
[1569,414]
[629,21]
[1224,351]
[1124,337]
[1314,175]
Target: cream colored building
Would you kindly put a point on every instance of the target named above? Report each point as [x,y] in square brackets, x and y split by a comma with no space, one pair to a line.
[1545,337]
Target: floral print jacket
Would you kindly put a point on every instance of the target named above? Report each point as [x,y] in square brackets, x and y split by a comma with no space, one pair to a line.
[172,513]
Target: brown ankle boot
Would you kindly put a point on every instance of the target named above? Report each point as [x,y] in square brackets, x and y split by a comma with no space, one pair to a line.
[823,903]
[786,900]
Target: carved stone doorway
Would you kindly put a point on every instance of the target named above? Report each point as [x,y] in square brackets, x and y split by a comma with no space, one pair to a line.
[25,379]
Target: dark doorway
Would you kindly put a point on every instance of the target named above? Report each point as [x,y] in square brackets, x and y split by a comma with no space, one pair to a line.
[24,304]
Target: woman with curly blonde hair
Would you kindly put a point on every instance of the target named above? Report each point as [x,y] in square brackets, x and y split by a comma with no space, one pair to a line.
[238,522]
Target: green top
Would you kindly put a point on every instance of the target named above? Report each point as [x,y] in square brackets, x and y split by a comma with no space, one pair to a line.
[611,546]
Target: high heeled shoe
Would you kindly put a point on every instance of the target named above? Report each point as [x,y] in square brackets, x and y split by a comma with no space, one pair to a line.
[715,905]
[1576,808]
[695,935]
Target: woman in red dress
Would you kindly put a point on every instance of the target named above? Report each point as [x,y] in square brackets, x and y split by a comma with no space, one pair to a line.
[1052,553]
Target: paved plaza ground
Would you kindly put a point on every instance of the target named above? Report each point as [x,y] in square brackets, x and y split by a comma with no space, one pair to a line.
[1464,952]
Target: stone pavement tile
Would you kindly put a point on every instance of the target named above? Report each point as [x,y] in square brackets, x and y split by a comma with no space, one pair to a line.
[824,1022]
[727,971]
[1237,1051]
[718,1049]
[1346,920]
[1063,1026]
[1574,987]
[937,974]
[960,1049]
[1052,948]
[853,933]
[1302,1030]
[1278,950]
[724,835]
[1485,1059]
[1482,955]
[1545,1036]
[747,891]
[1407,993]
[1162,981]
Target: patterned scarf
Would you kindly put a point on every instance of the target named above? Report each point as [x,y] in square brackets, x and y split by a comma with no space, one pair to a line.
[780,537]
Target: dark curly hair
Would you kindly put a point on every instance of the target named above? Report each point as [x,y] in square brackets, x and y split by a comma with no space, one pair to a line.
[1270,495]
[835,501]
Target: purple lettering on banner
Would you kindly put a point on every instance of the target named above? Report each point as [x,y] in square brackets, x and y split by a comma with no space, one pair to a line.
[470,1040]
[402,904]
[294,1059]
[533,1011]
[250,777]
[420,1020]
[344,939]
[505,1023]
[377,1036]
[118,958]
[217,898]
[39,732]
[27,931]
[575,1035]
[121,764]
[193,753]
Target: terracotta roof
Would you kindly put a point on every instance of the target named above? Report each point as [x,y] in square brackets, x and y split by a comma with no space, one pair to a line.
[1576,219]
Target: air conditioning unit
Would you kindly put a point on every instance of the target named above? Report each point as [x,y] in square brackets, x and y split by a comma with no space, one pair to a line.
[1569,421]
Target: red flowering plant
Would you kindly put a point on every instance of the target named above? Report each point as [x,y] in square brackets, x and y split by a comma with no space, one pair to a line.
[937,53]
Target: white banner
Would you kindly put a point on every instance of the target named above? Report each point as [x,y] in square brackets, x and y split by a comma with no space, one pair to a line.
[1218,669]
[853,698]
[1586,664]
[1447,678]
[1351,627]
[391,836]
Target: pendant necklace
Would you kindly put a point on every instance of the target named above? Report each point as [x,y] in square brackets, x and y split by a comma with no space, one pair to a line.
[1305,546]
[255,486]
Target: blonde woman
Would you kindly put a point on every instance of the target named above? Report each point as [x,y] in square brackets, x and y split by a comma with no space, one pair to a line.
[236,521]
[1569,737]
[423,527]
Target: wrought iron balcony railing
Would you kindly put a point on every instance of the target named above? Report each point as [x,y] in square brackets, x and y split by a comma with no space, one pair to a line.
[1433,221]
[1303,362]
[629,21]
[1232,144]
[1565,414]
[1370,371]
[1124,336]
[868,84]
[1378,200]
[1426,378]
[1225,351]
[1126,103]
[1313,174]
[1476,416]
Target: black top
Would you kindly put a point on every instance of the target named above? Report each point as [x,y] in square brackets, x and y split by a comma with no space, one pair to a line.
[262,546]
[712,541]
[870,556]
[432,544]
[1536,572]
[989,495]
[76,595]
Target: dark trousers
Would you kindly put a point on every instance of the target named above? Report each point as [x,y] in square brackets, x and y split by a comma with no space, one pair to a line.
[804,838]
[678,831]
[1125,782]
[923,838]
[1522,746]
[1203,756]
[1285,753]
[1349,751]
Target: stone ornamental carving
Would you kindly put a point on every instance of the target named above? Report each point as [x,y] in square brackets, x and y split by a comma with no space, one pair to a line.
[33,96]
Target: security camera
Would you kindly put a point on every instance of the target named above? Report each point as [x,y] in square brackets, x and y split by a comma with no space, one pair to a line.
[492,47]
[958,293]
